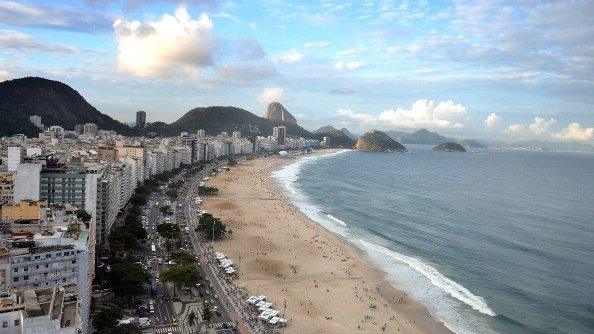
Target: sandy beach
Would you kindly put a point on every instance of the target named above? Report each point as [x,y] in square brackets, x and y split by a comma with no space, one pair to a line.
[326,283]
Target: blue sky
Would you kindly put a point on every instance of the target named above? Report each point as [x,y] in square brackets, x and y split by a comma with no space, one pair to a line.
[489,69]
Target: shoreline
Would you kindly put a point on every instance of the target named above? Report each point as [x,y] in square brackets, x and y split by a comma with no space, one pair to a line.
[328,284]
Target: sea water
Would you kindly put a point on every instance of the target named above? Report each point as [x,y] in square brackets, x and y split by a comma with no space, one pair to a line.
[490,241]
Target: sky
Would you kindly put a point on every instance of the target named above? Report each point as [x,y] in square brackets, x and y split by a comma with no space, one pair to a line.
[499,70]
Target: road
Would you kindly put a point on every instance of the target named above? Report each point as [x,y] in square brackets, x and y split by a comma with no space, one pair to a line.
[164,312]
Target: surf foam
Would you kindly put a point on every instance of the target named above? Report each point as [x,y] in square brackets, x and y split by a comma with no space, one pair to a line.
[289,175]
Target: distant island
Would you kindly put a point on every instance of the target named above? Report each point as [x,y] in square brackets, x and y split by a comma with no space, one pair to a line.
[449,147]
[377,141]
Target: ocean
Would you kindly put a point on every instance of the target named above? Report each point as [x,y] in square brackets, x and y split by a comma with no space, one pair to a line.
[490,241]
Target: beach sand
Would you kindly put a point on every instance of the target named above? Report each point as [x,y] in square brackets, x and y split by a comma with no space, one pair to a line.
[326,283]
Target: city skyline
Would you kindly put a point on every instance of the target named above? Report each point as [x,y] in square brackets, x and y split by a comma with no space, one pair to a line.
[489,70]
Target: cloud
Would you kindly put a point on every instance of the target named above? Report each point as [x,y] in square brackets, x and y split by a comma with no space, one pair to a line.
[321,44]
[289,57]
[359,117]
[574,132]
[349,65]
[271,94]
[541,125]
[492,121]
[515,129]
[18,41]
[4,75]
[246,74]
[54,17]
[424,112]
[176,43]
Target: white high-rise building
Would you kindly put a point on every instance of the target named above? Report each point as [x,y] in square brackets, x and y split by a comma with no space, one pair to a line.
[14,158]
[27,182]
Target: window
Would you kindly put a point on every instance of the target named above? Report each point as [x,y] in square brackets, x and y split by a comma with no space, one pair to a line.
[16,270]
[26,278]
[4,324]
[17,322]
[16,279]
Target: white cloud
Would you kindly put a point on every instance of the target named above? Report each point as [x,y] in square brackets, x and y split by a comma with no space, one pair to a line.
[4,75]
[289,57]
[349,65]
[160,48]
[18,41]
[317,44]
[492,121]
[515,129]
[424,112]
[359,117]
[271,94]
[541,125]
[574,132]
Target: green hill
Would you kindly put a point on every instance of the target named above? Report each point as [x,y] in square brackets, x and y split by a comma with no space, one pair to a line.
[56,103]
[377,141]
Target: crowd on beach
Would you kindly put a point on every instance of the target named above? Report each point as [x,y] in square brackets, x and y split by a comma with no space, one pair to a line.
[297,262]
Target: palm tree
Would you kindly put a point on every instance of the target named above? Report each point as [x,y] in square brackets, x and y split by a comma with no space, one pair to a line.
[191,320]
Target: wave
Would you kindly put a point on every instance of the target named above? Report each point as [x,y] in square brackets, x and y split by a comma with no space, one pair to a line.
[436,278]
[288,176]
[336,219]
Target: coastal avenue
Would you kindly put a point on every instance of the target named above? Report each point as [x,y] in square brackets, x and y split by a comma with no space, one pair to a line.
[169,314]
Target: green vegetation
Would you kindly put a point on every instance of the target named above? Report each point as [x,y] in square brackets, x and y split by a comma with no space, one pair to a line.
[107,319]
[182,257]
[170,232]
[206,313]
[166,210]
[83,215]
[377,141]
[127,279]
[126,237]
[191,320]
[210,226]
[205,191]
[183,275]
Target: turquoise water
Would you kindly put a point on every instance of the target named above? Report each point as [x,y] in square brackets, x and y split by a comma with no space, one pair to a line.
[489,241]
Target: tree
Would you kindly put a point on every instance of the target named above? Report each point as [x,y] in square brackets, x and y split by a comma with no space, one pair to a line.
[126,329]
[166,210]
[122,238]
[168,231]
[180,275]
[204,190]
[127,279]
[183,257]
[107,319]
[83,215]
[191,319]
[206,313]
[208,223]
[172,193]
[138,199]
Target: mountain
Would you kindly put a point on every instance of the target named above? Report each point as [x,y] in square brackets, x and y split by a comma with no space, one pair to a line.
[377,141]
[55,102]
[424,136]
[325,129]
[348,133]
[335,137]
[449,147]
[276,111]
[472,143]
[216,119]
[398,136]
